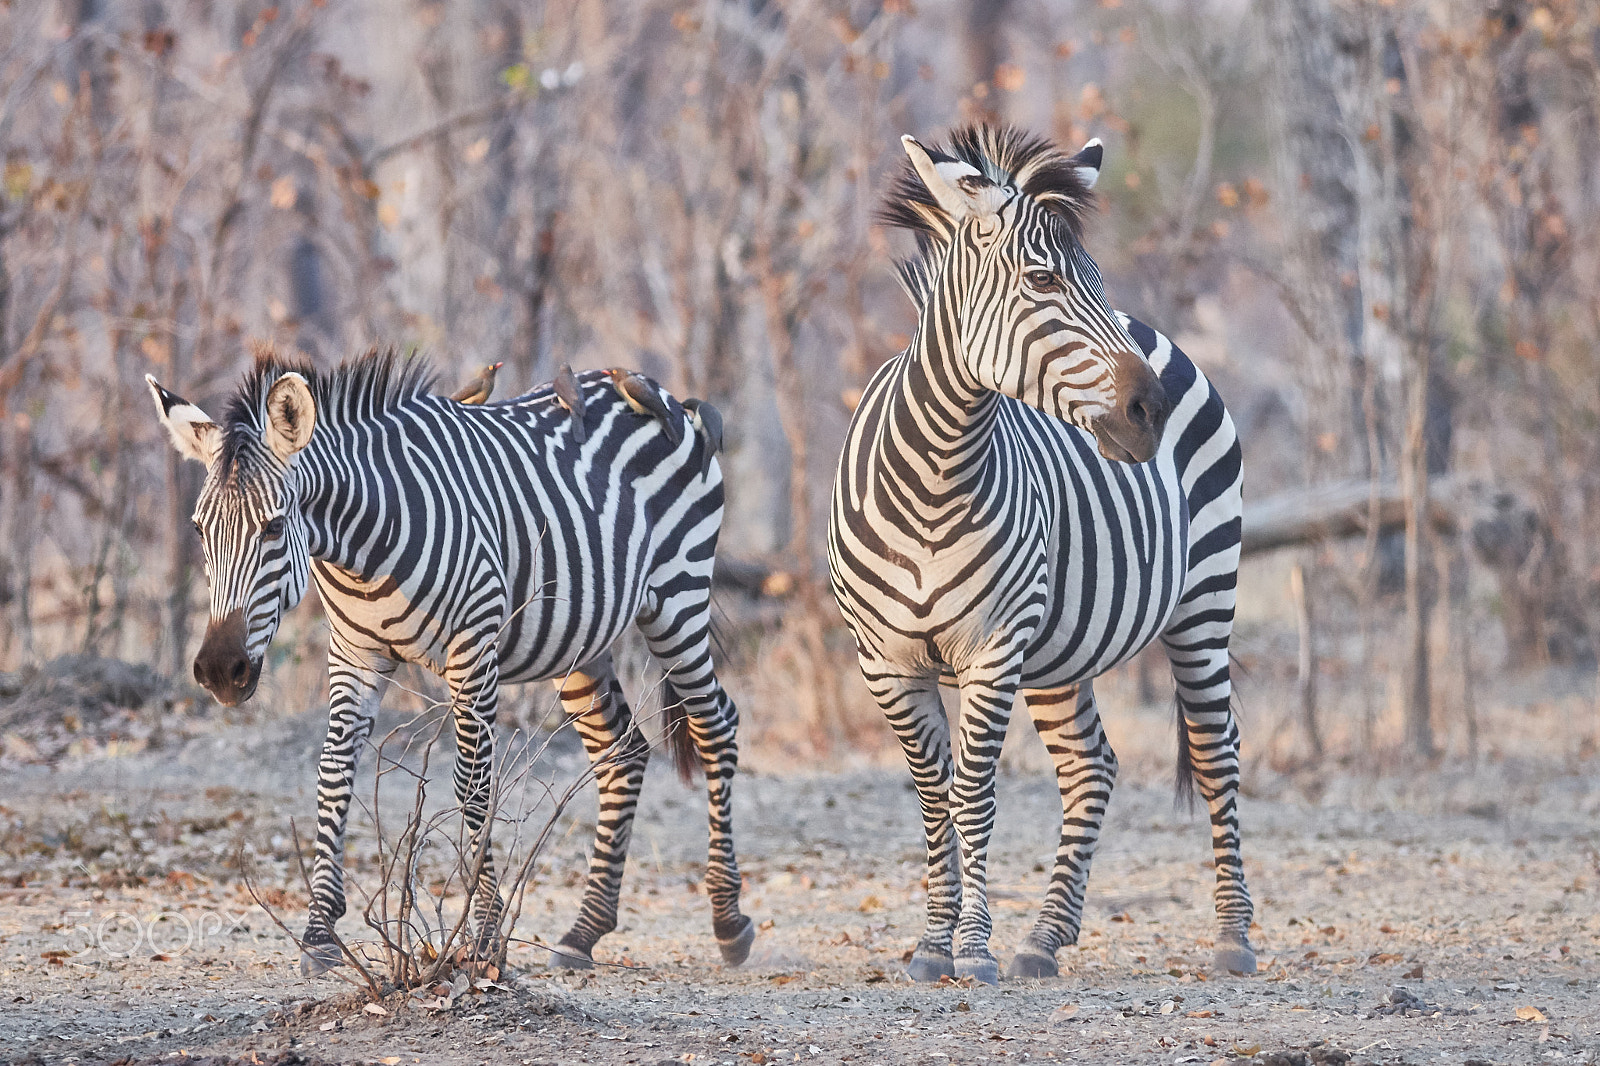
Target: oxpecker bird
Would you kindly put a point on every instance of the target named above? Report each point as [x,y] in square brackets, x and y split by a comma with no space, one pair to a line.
[570,396]
[641,394]
[707,421]
[478,389]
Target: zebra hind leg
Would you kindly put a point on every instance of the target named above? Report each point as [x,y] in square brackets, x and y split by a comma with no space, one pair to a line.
[1208,740]
[1068,721]
[593,699]
[915,713]
[678,632]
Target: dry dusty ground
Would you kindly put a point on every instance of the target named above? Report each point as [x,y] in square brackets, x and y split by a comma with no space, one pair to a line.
[1474,891]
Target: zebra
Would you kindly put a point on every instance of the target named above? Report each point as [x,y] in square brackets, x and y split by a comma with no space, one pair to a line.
[487,545]
[1031,492]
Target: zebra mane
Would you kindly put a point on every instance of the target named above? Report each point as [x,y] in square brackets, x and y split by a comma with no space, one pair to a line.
[1006,156]
[916,274]
[357,389]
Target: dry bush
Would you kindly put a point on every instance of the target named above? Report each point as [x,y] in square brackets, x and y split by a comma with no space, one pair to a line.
[417,901]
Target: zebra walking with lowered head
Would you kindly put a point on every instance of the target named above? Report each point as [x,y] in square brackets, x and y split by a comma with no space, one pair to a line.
[1029,494]
[492,543]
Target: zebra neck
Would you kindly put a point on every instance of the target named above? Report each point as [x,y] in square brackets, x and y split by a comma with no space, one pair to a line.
[941,421]
[351,520]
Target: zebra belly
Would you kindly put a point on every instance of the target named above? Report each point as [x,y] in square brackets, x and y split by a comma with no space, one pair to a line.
[566,613]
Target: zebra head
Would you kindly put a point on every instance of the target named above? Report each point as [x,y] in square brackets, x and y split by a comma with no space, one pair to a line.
[251,525]
[998,216]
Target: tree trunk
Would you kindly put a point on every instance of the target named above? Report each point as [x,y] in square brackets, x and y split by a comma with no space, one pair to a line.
[1306,681]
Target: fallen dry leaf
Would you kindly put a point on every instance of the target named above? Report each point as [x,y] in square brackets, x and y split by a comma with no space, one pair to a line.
[1415,972]
[1531,1014]
[1245,1052]
[373,1008]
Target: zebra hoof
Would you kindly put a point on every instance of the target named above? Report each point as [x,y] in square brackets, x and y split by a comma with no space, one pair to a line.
[1235,957]
[983,971]
[1032,964]
[927,967]
[317,959]
[736,948]
[567,957]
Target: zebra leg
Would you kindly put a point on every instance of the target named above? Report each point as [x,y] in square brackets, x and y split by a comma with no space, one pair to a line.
[593,700]
[912,706]
[355,687]
[474,677]
[1209,743]
[678,632]
[1068,722]
[987,694]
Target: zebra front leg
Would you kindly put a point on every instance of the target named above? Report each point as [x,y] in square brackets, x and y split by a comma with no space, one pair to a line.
[912,707]
[474,679]
[355,688]
[592,698]
[1068,722]
[1208,741]
[987,693]
[677,630]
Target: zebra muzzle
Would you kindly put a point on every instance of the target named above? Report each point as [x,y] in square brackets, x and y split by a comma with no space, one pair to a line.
[1131,431]
[222,664]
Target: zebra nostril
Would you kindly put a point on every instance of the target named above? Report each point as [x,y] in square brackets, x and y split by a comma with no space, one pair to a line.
[198,674]
[240,674]
[1139,413]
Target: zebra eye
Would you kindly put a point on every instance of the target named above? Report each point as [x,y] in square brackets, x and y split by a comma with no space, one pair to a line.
[273,529]
[1042,281]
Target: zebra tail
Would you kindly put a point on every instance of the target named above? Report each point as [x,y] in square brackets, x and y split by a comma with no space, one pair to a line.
[1183,780]
[680,745]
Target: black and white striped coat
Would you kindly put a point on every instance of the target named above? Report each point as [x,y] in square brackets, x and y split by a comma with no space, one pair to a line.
[1001,521]
[487,544]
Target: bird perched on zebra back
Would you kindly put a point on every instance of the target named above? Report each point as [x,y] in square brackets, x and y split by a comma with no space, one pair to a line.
[707,422]
[516,565]
[570,395]
[1035,489]
[481,387]
[644,396]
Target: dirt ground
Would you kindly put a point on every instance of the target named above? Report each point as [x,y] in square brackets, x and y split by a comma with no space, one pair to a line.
[126,934]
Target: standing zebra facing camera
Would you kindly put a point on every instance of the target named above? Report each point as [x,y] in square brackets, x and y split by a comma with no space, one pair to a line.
[492,543]
[1034,490]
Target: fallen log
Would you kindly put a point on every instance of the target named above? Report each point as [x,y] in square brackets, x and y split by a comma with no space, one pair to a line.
[1332,512]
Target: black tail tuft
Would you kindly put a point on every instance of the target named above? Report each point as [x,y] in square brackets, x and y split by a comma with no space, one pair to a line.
[680,745]
[1183,781]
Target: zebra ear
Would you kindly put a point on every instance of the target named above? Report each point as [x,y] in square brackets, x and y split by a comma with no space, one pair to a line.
[960,188]
[1087,162]
[193,432]
[291,416]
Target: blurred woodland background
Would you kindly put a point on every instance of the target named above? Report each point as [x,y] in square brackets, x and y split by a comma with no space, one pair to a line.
[1362,218]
